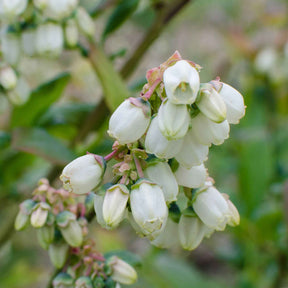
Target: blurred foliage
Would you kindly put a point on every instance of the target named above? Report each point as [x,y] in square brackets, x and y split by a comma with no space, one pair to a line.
[225,37]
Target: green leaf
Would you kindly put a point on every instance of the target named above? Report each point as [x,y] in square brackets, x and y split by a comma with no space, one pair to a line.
[126,256]
[38,142]
[121,13]
[40,100]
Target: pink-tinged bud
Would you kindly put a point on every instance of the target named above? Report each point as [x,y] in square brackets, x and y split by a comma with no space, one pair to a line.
[181,83]
[212,208]
[83,174]
[70,228]
[192,231]
[211,104]
[114,205]
[161,174]
[156,143]
[63,280]
[208,132]
[85,22]
[148,206]
[40,214]
[122,272]
[173,120]
[58,254]
[193,178]
[192,153]
[130,120]
[8,78]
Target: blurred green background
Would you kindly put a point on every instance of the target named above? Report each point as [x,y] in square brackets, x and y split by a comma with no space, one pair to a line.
[246,44]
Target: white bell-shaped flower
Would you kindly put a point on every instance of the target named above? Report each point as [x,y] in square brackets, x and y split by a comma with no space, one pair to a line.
[168,237]
[207,131]
[212,208]
[181,83]
[114,205]
[192,231]
[211,104]
[60,9]
[98,207]
[11,47]
[192,153]
[12,8]
[266,60]
[234,103]
[71,33]
[8,78]
[28,39]
[156,143]
[173,120]
[130,120]
[85,22]
[21,93]
[83,174]
[49,39]
[148,206]
[193,178]
[161,173]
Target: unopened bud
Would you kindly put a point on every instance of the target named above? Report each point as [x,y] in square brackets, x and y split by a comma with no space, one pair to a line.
[45,235]
[85,22]
[8,78]
[58,254]
[122,272]
[63,280]
[83,174]
[173,120]
[156,143]
[22,218]
[148,206]
[114,204]
[40,214]
[130,120]
[181,83]
[99,282]
[98,206]
[161,174]
[84,282]
[234,219]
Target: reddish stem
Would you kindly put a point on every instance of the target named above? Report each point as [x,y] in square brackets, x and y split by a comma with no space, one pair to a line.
[82,208]
[138,167]
[123,179]
[149,93]
[111,155]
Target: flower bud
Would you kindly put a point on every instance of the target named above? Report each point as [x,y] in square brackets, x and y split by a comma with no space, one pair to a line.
[122,272]
[10,9]
[8,78]
[60,9]
[173,120]
[212,208]
[83,174]
[22,218]
[45,235]
[161,174]
[114,204]
[181,83]
[84,282]
[41,4]
[211,104]
[85,22]
[63,280]
[98,282]
[71,33]
[234,102]
[234,218]
[148,206]
[207,131]
[193,178]
[49,39]
[58,254]
[192,231]
[192,153]
[21,93]
[10,47]
[98,206]
[156,143]
[168,236]
[130,120]
[28,39]
[39,214]
[70,228]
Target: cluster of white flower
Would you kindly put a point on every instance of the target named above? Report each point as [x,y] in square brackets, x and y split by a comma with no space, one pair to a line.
[36,28]
[162,139]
